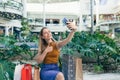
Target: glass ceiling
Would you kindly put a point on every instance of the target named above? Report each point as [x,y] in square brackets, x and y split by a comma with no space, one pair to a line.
[49,1]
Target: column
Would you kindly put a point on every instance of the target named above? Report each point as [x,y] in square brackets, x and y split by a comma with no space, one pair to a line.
[44,13]
[80,17]
[12,30]
[92,15]
[113,33]
[24,2]
[97,11]
[6,31]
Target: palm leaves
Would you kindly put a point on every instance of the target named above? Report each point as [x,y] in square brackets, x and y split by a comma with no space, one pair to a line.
[9,51]
[97,46]
[5,72]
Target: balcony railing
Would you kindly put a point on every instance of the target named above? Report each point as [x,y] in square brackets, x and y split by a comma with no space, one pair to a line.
[52,28]
[10,4]
[103,22]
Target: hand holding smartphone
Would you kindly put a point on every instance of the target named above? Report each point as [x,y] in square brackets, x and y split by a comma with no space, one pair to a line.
[66,22]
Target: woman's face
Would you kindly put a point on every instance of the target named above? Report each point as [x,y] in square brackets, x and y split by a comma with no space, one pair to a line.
[46,34]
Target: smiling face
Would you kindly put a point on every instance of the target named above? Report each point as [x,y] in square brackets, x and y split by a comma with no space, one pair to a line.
[46,34]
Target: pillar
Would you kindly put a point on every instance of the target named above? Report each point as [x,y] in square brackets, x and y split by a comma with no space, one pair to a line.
[97,11]
[24,2]
[80,17]
[6,31]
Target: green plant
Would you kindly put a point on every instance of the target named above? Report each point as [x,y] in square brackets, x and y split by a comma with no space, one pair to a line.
[25,30]
[6,70]
[96,46]
[11,52]
[2,72]
[98,68]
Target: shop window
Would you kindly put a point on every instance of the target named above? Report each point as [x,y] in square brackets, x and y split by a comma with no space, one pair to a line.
[47,21]
[39,20]
[56,21]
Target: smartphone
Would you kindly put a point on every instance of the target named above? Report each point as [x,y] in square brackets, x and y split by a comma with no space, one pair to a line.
[65,21]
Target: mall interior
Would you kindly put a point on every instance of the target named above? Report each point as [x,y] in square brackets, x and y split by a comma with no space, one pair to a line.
[24,19]
[87,14]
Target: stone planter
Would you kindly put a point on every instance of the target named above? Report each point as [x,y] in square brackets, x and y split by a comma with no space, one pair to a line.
[72,67]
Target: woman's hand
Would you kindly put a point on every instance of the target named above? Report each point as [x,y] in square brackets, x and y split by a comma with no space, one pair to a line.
[48,49]
[72,26]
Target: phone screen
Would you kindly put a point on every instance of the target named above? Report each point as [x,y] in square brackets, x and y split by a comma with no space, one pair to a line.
[64,21]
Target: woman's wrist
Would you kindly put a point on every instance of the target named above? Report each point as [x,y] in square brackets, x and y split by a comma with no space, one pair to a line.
[72,27]
[45,51]
[73,30]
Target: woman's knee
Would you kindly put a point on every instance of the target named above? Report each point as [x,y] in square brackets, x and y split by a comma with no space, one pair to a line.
[60,76]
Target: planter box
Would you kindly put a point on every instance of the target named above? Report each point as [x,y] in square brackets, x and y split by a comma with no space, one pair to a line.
[72,67]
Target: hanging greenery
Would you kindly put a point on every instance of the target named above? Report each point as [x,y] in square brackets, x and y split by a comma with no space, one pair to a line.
[9,15]
[25,30]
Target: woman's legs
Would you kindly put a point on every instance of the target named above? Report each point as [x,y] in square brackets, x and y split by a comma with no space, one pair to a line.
[60,76]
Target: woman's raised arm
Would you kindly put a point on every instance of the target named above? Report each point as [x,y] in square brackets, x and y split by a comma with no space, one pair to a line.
[73,28]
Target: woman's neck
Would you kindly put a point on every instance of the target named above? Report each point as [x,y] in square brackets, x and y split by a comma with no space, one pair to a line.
[49,41]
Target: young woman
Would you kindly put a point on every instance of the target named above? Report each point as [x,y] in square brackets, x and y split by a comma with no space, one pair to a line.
[49,51]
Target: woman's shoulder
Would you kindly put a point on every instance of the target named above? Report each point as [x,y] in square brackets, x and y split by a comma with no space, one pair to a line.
[54,43]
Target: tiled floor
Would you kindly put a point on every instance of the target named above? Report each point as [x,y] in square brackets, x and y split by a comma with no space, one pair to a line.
[105,76]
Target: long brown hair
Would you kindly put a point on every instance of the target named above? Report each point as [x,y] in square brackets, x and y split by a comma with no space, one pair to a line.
[42,43]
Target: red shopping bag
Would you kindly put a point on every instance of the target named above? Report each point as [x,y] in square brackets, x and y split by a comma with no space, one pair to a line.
[26,73]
